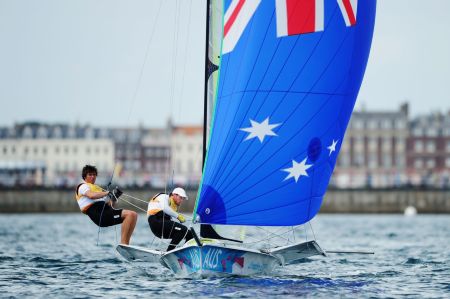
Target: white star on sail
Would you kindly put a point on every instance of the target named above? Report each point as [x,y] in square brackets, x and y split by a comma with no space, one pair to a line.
[297,170]
[332,147]
[260,130]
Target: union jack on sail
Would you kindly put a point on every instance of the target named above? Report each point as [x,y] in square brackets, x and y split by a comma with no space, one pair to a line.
[299,16]
[236,19]
[348,9]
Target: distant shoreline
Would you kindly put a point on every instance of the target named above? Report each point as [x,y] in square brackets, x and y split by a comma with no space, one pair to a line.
[61,200]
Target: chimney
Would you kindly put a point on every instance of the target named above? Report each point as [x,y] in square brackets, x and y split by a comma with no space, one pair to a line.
[404,108]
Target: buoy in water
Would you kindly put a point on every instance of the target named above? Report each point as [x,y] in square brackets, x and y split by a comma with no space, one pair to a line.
[410,211]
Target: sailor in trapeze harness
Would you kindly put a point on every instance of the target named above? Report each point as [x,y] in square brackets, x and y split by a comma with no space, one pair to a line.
[99,205]
[161,209]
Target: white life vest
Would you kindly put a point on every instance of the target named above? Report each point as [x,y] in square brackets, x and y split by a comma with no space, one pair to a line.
[85,202]
[162,202]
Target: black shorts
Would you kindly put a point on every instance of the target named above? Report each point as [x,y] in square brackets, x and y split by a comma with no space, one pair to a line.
[109,216]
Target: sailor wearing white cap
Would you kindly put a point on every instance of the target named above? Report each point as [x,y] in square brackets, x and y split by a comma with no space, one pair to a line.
[162,208]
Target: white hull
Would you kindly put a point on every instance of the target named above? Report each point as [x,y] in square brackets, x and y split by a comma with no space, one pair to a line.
[220,258]
[136,253]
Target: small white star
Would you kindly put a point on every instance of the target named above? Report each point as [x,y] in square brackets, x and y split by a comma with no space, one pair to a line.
[260,130]
[332,147]
[297,170]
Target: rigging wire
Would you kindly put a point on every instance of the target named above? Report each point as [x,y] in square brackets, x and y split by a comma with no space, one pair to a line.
[147,50]
[310,225]
[185,58]
[133,99]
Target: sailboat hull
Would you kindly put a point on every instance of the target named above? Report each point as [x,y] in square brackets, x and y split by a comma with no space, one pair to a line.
[218,260]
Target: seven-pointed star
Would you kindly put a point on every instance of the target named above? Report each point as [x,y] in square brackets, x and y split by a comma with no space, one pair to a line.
[332,147]
[260,130]
[297,170]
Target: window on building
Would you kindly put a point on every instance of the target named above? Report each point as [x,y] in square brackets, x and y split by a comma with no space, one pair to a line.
[417,131]
[432,132]
[57,150]
[359,159]
[134,136]
[387,144]
[42,132]
[5,150]
[89,133]
[25,150]
[103,133]
[44,150]
[446,130]
[418,146]
[344,159]
[27,132]
[431,146]
[400,124]
[372,144]
[387,163]
[418,163]
[431,163]
[372,163]
[71,132]
[372,124]
[401,161]
[387,124]
[400,144]
[57,132]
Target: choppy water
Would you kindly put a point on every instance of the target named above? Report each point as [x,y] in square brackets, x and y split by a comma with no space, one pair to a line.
[56,256]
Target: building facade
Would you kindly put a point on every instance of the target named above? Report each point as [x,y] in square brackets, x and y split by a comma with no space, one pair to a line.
[380,150]
[428,150]
[43,155]
[373,151]
[186,154]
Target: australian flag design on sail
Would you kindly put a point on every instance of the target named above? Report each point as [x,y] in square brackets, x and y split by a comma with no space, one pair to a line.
[290,75]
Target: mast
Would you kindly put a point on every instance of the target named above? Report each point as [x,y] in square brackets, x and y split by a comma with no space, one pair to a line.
[205,91]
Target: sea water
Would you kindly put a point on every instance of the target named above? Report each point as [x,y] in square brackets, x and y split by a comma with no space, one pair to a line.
[66,256]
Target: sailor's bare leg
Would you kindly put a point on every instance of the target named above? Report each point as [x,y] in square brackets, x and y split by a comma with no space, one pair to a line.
[128,224]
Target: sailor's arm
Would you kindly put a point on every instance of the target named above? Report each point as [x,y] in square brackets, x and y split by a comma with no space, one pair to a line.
[167,210]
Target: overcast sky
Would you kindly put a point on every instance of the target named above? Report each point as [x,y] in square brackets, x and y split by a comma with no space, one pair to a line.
[114,63]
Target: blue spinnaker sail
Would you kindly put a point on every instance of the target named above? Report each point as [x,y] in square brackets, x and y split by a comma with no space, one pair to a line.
[289,76]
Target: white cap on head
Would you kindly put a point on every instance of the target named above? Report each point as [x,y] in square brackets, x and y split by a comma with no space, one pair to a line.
[180,192]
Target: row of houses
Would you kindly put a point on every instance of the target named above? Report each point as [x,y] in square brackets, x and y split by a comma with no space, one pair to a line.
[381,149]
[35,153]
